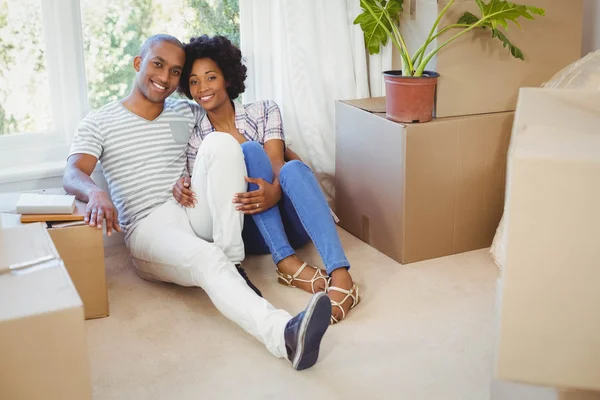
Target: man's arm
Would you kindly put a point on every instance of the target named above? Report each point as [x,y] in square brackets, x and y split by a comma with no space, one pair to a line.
[77,181]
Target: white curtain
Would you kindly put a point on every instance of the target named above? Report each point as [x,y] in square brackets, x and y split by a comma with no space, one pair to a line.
[304,55]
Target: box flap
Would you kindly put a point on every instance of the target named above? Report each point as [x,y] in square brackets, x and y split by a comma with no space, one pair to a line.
[40,287]
[557,143]
[370,104]
[25,245]
[570,108]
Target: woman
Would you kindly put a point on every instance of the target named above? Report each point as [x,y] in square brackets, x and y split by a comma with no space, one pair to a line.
[284,206]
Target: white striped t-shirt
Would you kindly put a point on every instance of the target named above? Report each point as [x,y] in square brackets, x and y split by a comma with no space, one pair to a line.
[141,159]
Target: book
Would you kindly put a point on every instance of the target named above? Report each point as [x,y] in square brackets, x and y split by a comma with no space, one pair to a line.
[31,203]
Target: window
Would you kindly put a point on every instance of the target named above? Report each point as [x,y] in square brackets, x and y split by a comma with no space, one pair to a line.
[24,87]
[114,31]
[61,58]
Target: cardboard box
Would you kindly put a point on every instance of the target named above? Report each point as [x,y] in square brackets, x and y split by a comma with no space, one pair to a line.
[82,251]
[502,390]
[477,74]
[550,323]
[42,333]
[420,191]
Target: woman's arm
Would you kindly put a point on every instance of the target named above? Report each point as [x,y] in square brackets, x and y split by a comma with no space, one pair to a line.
[290,155]
[274,149]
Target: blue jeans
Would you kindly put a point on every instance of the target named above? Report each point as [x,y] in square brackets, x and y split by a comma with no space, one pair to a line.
[301,214]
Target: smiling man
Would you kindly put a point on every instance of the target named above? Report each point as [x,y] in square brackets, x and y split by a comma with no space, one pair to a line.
[141,141]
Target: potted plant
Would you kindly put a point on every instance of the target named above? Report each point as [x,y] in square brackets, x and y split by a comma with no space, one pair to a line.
[410,93]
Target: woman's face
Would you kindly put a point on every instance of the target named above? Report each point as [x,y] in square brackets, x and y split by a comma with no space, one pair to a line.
[207,84]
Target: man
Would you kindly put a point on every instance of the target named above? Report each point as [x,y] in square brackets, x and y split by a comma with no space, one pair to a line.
[141,142]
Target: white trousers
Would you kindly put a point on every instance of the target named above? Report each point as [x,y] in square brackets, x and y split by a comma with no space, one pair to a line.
[166,248]
[219,173]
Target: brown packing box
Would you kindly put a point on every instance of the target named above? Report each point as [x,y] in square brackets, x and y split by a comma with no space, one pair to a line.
[43,347]
[477,74]
[502,390]
[550,289]
[420,191]
[82,250]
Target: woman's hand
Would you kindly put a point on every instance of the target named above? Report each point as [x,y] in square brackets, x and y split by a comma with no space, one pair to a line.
[257,201]
[183,194]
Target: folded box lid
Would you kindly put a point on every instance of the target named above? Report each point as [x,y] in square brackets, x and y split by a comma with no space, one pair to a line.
[33,279]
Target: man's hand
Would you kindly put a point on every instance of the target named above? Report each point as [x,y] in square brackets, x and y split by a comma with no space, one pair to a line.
[183,194]
[257,201]
[99,207]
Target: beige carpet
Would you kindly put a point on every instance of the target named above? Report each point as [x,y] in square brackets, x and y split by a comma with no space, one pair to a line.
[422,331]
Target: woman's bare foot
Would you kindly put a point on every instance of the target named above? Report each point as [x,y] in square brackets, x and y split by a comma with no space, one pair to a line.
[309,279]
[341,278]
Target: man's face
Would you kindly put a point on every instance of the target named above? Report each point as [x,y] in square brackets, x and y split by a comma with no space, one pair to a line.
[159,71]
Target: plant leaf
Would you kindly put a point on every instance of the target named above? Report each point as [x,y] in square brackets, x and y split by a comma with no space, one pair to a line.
[480,5]
[468,19]
[514,50]
[373,21]
[497,14]
[536,10]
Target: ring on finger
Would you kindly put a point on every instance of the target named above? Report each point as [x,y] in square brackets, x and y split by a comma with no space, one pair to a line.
[257,205]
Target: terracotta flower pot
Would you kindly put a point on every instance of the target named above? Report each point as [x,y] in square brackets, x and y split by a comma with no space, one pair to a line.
[410,98]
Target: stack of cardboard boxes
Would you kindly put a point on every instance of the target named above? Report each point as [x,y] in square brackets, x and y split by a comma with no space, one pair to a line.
[80,247]
[421,191]
[52,277]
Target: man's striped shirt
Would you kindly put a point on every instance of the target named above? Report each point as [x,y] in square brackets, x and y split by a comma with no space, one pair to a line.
[141,159]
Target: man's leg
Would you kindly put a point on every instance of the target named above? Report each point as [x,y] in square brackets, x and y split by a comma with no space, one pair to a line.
[218,175]
[165,248]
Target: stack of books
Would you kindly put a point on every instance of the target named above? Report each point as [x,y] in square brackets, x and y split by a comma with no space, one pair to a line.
[49,207]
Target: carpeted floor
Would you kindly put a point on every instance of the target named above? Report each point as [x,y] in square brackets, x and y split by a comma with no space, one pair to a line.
[423,331]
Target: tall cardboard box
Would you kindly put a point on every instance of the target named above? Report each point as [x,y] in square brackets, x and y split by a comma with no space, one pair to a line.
[550,288]
[419,191]
[43,349]
[477,74]
[82,250]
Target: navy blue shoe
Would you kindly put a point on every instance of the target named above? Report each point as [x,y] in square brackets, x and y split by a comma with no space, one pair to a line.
[304,332]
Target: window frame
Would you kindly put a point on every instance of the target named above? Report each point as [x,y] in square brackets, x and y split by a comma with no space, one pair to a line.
[65,64]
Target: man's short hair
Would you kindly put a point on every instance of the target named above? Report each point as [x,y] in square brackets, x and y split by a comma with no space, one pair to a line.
[154,39]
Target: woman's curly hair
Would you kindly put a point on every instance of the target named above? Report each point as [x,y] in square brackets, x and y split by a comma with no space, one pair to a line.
[224,53]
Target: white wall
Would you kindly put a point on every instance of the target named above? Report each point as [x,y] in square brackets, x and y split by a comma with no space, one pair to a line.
[591,26]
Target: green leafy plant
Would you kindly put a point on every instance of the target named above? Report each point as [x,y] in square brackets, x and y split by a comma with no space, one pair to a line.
[380,21]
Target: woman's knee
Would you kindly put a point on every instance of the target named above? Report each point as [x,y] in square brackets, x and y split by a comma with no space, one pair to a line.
[257,161]
[253,149]
[293,170]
